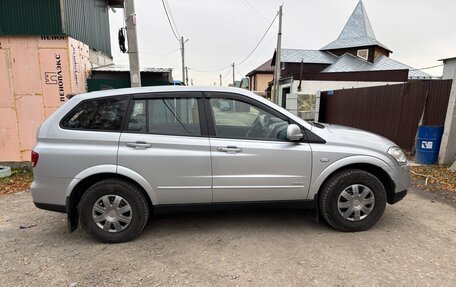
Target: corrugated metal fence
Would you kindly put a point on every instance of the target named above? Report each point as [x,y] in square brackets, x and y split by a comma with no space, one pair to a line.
[84,20]
[393,111]
[88,21]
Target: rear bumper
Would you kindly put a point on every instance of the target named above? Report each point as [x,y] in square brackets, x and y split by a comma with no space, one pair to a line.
[51,207]
[398,196]
[49,192]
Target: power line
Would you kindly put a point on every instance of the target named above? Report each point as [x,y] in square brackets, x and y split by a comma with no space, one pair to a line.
[169,21]
[259,42]
[426,68]
[227,73]
[245,59]
[260,53]
[161,58]
[254,10]
[172,17]
[240,74]
[159,55]
[210,71]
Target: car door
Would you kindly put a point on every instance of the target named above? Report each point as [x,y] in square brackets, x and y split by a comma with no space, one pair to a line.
[163,140]
[252,160]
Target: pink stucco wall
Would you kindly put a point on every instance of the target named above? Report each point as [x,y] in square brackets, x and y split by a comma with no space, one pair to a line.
[36,73]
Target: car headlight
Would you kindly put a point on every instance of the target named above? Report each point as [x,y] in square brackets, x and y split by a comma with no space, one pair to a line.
[397,154]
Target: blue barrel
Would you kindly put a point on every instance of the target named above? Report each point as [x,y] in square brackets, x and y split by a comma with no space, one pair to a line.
[428,144]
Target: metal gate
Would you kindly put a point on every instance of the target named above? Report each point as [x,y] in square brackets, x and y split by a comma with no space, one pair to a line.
[393,111]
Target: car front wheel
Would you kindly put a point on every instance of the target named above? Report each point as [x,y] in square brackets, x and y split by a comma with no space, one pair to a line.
[352,200]
[113,211]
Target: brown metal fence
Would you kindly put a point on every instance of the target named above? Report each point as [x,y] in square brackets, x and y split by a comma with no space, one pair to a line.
[393,111]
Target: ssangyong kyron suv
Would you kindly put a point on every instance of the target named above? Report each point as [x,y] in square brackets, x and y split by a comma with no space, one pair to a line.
[111,159]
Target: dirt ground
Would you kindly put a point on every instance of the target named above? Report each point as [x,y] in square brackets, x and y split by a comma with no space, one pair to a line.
[414,244]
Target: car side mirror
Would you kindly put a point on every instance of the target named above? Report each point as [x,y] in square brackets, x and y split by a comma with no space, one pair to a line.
[294,132]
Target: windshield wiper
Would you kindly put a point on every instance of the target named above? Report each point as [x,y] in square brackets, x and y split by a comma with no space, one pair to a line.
[316,124]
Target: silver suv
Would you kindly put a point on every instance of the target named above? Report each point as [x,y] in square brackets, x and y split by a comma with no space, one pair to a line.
[110,159]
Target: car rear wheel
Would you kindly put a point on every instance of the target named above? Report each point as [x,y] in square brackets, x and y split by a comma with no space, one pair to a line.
[352,200]
[113,211]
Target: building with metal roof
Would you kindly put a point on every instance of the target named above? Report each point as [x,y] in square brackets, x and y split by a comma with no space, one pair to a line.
[260,77]
[357,32]
[355,59]
[355,50]
[306,56]
[118,76]
[449,68]
[125,68]
[350,63]
[47,49]
[86,21]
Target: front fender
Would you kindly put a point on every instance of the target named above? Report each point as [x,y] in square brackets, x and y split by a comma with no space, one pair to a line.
[357,159]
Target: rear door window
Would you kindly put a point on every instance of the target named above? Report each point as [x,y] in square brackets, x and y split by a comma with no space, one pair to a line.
[168,116]
[104,114]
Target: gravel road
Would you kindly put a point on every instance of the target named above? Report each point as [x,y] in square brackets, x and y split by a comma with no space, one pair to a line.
[414,244]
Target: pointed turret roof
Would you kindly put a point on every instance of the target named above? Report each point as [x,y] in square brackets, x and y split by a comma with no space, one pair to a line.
[357,32]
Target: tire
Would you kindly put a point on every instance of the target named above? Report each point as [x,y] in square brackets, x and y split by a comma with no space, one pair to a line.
[113,211]
[338,201]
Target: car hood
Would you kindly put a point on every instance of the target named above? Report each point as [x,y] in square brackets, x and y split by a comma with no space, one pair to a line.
[357,137]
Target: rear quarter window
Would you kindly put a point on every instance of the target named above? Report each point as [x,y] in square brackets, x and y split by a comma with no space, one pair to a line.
[105,114]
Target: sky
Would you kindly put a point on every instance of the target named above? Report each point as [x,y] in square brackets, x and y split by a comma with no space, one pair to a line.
[220,32]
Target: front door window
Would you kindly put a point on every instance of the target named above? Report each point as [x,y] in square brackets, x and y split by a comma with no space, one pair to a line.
[240,120]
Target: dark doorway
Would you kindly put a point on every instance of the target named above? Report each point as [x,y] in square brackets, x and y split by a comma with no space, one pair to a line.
[285,91]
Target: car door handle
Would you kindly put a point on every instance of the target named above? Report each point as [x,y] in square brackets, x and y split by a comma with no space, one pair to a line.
[230,149]
[139,145]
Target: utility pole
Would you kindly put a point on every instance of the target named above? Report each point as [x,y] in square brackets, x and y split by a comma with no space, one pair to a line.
[233,75]
[186,76]
[220,79]
[133,55]
[275,92]
[183,58]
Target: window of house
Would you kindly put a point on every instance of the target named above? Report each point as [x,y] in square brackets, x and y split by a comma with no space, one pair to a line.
[363,53]
[99,114]
[169,116]
[240,120]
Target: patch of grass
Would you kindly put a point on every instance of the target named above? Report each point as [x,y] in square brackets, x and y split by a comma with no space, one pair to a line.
[19,180]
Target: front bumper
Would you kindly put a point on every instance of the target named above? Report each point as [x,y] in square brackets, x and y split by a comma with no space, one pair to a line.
[400,175]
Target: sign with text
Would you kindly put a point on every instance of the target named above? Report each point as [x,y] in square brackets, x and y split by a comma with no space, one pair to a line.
[426,144]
